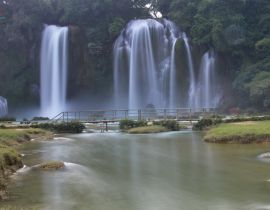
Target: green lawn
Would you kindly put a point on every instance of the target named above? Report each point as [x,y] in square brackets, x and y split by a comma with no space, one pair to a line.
[12,137]
[244,132]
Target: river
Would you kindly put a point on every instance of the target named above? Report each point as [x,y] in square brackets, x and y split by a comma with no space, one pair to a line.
[167,171]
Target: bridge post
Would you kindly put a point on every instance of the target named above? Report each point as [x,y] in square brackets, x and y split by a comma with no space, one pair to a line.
[165,114]
[139,114]
[177,114]
[114,115]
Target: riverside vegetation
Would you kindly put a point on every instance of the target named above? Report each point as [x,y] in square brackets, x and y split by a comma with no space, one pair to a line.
[236,130]
[12,137]
[143,127]
[10,159]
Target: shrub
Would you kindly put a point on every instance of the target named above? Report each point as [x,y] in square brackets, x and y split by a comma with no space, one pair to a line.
[243,119]
[70,127]
[7,119]
[128,124]
[40,118]
[171,125]
[206,122]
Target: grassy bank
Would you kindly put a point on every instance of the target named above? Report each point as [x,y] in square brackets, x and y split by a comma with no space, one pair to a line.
[241,132]
[10,159]
[148,129]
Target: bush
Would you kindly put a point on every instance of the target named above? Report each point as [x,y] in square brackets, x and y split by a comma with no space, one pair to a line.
[255,118]
[7,119]
[71,127]
[171,125]
[206,122]
[128,124]
[40,118]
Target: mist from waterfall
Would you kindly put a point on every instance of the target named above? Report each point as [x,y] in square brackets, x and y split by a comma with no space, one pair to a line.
[54,67]
[3,107]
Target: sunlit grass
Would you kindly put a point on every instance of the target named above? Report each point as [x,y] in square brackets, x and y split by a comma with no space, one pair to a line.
[244,132]
[12,137]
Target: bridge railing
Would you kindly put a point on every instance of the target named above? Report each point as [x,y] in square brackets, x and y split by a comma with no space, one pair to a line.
[180,114]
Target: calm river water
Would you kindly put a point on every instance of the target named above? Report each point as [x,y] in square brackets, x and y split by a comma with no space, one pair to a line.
[168,171]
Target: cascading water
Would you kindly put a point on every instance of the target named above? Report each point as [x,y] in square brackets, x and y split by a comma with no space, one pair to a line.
[143,63]
[192,81]
[53,77]
[207,94]
[147,69]
[3,107]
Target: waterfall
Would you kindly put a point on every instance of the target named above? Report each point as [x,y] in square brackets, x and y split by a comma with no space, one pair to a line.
[143,63]
[3,107]
[173,76]
[192,82]
[53,77]
[148,69]
[207,90]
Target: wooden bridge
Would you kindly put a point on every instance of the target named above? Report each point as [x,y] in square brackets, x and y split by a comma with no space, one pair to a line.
[110,116]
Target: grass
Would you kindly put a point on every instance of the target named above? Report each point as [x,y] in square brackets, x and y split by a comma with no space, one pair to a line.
[13,137]
[148,129]
[243,132]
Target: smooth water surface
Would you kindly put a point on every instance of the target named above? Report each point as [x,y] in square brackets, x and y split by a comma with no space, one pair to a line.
[168,171]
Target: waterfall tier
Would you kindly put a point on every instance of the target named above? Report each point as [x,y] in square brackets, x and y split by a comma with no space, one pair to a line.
[147,69]
[207,90]
[143,64]
[3,107]
[53,77]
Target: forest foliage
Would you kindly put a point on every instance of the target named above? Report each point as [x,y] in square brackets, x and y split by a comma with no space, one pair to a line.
[239,30]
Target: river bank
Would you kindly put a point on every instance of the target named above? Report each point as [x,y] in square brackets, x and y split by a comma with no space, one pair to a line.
[240,132]
[10,159]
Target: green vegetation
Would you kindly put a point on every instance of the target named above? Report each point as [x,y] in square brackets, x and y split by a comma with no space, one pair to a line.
[148,129]
[40,119]
[136,127]
[243,132]
[70,127]
[10,160]
[128,124]
[52,165]
[171,125]
[13,137]
[7,119]
[205,123]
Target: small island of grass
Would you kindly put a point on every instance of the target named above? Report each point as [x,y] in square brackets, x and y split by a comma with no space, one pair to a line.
[144,127]
[52,165]
[148,129]
[242,132]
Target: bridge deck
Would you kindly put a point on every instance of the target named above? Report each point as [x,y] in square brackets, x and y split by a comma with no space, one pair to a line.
[110,116]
